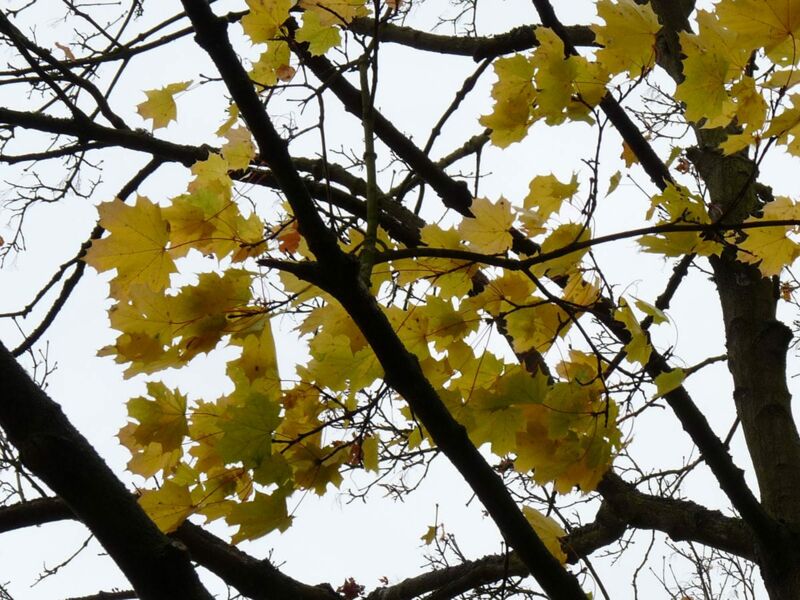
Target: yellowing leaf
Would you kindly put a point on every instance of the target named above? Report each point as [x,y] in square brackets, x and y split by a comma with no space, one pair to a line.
[135,246]
[168,506]
[265,513]
[658,315]
[369,453]
[320,34]
[668,381]
[162,417]
[703,90]
[429,535]
[339,12]
[513,94]
[771,24]
[787,124]
[488,231]
[273,65]
[771,248]
[548,531]
[613,182]
[638,349]
[265,19]
[561,239]
[334,363]
[160,104]
[628,37]
[239,150]
[248,428]
[566,87]
[537,327]
[546,194]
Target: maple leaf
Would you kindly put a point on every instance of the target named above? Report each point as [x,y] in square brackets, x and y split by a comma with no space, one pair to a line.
[369,453]
[546,194]
[563,237]
[548,531]
[668,381]
[265,19]
[258,361]
[239,149]
[168,506]
[638,348]
[658,315]
[320,34]
[273,65]
[787,124]
[446,324]
[203,313]
[565,87]
[628,37]
[162,417]
[513,94]
[537,327]
[775,29]
[334,363]
[160,104]
[452,277]
[289,238]
[339,12]
[136,246]
[771,248]
[488,231]
[429,535]
[258,517]
[248,426]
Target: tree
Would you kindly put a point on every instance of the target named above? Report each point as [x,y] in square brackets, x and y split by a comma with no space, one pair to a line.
[396,293]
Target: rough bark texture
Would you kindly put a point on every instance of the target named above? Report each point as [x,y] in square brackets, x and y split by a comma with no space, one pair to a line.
[48,445]
[757,342]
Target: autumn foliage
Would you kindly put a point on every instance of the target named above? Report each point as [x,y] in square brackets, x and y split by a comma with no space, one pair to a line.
[395,305]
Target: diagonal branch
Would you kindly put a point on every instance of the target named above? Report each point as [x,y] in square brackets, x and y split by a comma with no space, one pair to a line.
[339,276]
[60,456]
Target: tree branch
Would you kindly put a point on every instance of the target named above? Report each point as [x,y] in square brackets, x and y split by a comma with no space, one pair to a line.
[60,456]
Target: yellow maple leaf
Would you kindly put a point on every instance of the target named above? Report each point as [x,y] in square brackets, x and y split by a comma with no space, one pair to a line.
[168,506]
[566,87]
[256,518]
[160,104]
[334,364]
[452,277]
[546,194]
[320,34]
[446,324]
[561,238]
[548,531]
[770,24]
[628,37]
[135,246]
[786,125]
[339,12]
[537,327]
[265,19]
[247,427]
[161,417]
[259,361]
[203,313]
[513,94]
[273,65]
[771,248]
[239,149]
[488,231]
[668,381]
[638,349]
